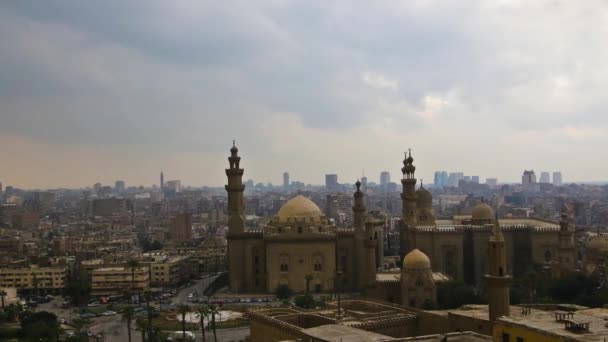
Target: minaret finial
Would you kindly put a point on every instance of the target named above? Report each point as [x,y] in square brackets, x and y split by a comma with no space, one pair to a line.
[421,185]
[233,142]
[410,151]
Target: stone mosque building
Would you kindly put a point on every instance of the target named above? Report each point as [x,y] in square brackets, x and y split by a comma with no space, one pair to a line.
[300,248]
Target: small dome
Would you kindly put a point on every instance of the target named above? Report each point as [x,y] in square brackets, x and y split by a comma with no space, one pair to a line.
[597,245]
[424,199]
[482,211]
[299,207]
[416,260]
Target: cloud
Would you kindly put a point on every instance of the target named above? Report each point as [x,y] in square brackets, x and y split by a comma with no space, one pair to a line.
[364,81]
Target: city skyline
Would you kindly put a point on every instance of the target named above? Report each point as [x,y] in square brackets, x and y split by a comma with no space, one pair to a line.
[88,94]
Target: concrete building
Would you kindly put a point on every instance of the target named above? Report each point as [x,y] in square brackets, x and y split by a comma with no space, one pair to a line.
[169,270]
[108,206]
[557,178]
[331,182]
[45,279]
[174,186]
[529,177]
[180,228]
[492,182]
[112,280]
[545,178]
[119,186]
[286,180]
[385,178]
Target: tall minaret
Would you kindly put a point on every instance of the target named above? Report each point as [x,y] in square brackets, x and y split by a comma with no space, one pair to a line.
[359,210]
[235,190]
[408,198]
[497,280]
[162,180]
[409,190]
[566,250]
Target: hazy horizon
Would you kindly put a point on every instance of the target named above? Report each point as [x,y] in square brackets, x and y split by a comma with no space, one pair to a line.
[122,89]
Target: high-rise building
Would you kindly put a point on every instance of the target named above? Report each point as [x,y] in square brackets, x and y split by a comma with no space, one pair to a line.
[557,178]
[181,227]
[444,178]
[174,185]
[0,189]
[438,180]
[364,184]
[545,177]
[455,178]
[475,179]
[492,182]
[162,180]
[467,179]
[331,182]
[529,177]
[119,186]
[385,178]
[285,180]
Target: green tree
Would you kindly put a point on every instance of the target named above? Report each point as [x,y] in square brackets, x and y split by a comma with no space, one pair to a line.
[142,325]
[39,326]
[127,315]
[81,325]
[305,301]
[308,279]
[283,292]
[2,295]
[183,310]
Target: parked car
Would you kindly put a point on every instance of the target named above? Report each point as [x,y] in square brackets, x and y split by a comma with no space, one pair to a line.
[109,313]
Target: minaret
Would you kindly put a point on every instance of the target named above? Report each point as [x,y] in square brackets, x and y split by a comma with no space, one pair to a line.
[408,198]
[162,180]
[497,280]
[359,210]
[409,190]
[566,250]
[235,190]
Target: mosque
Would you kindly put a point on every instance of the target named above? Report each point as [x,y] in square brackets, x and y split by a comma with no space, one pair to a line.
[301,249]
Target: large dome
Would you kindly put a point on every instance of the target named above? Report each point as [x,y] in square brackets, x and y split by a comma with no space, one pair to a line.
[597,245]
[482,211]
[424,199]
[416,260]
[298,208]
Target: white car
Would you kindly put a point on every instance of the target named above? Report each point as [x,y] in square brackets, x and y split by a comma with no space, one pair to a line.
[178,335]
[109,313]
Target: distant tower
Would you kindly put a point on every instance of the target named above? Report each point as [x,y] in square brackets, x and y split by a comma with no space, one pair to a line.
[497,280]
[557,178]
[286,180]
[236,227]
[162,179]
[408,197]
[385,178]
[359,210]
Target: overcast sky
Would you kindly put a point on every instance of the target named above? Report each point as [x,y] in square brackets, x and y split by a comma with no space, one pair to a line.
[119,89]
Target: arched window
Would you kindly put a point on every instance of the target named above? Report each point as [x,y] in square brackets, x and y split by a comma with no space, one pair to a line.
[318,266]
[450,263]
[500,271]
[284,267]
[419,282]
[547,256]
[299,229]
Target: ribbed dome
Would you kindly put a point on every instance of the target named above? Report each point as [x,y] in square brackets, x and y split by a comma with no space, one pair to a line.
[424,199]
[482,211]
[416,260]
[299,207]
[597,244]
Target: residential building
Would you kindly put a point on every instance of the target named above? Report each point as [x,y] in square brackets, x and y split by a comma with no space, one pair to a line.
[110,280]
[47,279]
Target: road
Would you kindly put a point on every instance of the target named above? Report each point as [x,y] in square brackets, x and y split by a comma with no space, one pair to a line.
[199,285]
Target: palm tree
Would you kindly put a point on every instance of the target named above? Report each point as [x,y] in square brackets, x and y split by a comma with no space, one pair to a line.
[202,313]
[2,294]
[127,315]
[148,298]
[308,279]
[142,326]
[133,264]
[183,310]
[213,310]
[80,324]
